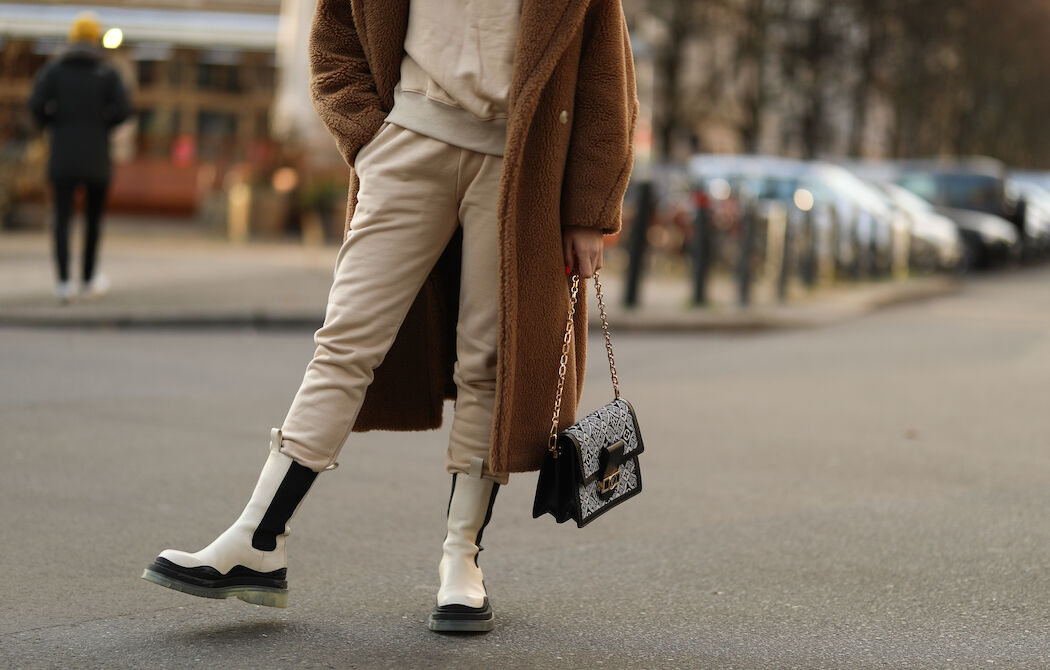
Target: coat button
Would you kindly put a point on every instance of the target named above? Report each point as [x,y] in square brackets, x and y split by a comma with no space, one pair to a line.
[564,116]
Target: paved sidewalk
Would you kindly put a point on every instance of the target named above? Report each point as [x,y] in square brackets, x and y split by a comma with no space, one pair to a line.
[165,276]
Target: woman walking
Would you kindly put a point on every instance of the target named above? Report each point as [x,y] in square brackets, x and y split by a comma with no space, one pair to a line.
[80,99]
[491,144]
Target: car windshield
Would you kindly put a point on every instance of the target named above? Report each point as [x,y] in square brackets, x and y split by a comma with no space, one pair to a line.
[906,199]
[964,191]
[765,180]
[1031,191]
[853,189]
[973,192]
[1038,179]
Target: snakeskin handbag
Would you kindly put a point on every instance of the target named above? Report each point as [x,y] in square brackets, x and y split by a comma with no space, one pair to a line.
[591,466]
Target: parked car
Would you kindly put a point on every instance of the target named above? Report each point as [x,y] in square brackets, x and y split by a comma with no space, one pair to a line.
[936,243]
[968,193]
[862,223]
[879,231]
[727,185]
[1033,203]
[973,194]
[1040,179]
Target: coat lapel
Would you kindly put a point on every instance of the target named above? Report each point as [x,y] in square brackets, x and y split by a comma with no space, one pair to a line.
[546,28]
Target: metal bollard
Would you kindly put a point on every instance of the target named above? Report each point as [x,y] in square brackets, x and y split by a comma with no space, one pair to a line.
[835,265]
[787,255]
[747,242]
[860,256]
[809,262]
[700,251]
[637,243]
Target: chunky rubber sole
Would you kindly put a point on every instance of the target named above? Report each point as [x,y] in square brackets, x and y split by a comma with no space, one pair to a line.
[462,619]
[267,589]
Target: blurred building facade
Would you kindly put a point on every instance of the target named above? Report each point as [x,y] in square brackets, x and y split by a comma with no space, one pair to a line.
[202,76]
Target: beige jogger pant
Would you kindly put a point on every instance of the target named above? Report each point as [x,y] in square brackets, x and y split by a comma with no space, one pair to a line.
[414,192]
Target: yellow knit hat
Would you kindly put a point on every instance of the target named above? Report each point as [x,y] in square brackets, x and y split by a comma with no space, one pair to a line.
[85,28]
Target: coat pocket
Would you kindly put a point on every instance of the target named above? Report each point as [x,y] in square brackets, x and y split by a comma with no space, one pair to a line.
[364,150]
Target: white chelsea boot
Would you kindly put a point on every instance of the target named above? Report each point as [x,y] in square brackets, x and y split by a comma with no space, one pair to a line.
[248,560]
[462,601]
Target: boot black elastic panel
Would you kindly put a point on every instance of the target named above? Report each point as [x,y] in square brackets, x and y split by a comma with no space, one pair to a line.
[248,560]
[462,601]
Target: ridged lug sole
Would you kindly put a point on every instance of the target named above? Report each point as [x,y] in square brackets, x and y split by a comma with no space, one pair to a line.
[461,619]
[254,594]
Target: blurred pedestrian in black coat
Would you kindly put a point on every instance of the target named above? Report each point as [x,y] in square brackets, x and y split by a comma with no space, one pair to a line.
[79,98]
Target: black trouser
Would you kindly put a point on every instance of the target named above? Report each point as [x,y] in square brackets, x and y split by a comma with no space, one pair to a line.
[95,205]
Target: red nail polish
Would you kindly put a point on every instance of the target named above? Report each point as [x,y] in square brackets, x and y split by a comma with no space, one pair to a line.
[568,271]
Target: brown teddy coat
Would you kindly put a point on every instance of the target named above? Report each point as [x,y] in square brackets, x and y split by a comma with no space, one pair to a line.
[568,158]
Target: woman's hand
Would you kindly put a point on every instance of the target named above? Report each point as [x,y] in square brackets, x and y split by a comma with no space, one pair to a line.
[583,250]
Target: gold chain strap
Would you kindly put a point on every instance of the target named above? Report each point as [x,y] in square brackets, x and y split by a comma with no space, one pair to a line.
[552,441]
[608,340]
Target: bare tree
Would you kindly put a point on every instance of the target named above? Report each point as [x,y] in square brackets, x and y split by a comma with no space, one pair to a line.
[955,76]
[681,21]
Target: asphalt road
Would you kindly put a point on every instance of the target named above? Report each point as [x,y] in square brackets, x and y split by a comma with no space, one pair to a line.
[871,494]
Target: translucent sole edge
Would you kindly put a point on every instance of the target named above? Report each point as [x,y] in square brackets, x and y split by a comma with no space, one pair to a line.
[256,595]
[461,625]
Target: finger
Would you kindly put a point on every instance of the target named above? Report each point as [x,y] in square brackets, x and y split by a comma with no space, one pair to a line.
[594,257]
[586,265]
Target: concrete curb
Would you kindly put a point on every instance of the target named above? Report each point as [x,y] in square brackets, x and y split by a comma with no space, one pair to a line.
[175,321]
[860,301]
[850,303]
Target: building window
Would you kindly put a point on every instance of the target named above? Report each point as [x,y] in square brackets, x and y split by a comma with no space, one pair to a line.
[212,77]
[262,125]
[265,76]
[216,133]
[147,73]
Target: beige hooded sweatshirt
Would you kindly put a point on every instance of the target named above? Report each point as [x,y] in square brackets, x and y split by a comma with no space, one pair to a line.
[455,76]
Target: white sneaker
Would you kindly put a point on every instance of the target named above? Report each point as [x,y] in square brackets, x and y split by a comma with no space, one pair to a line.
[96,288]
[64,291]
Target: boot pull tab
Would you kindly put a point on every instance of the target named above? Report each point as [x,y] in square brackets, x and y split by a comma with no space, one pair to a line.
[477,465]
